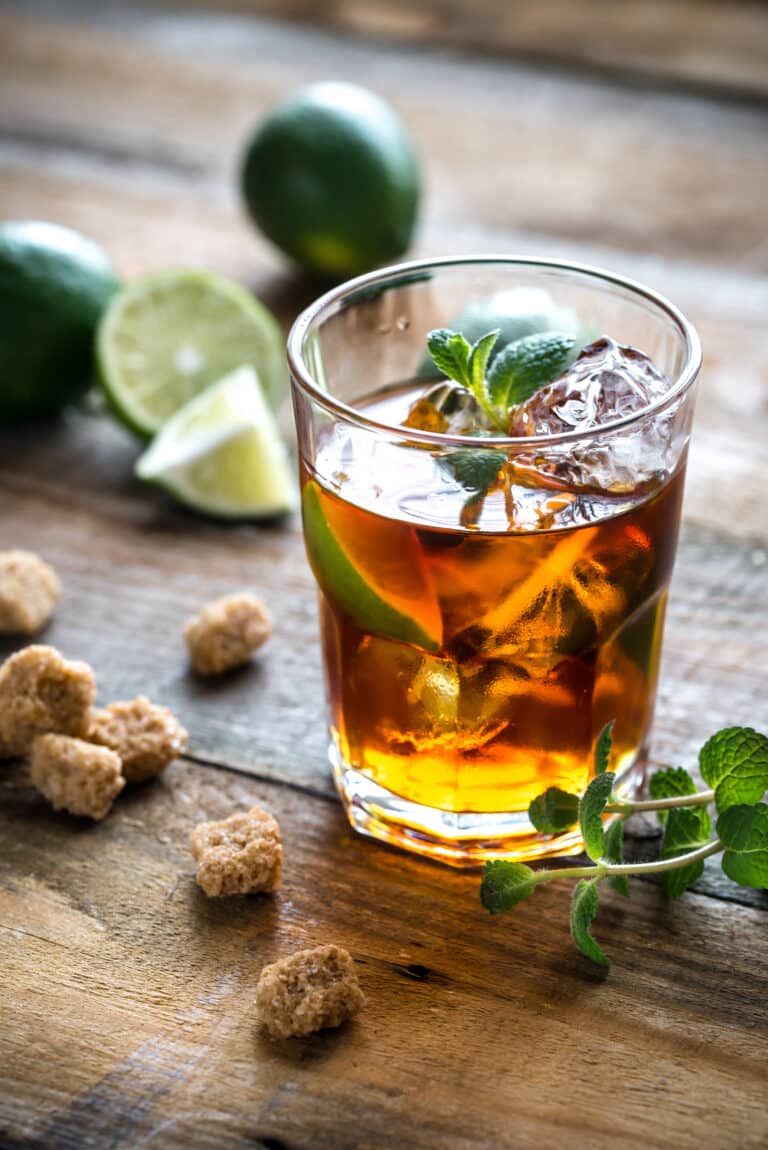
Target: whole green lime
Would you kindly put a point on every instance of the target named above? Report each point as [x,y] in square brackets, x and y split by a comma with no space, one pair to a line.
[54,285]
[332,178]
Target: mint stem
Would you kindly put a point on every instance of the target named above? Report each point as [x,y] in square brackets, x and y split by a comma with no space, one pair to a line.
[630,807]
[605,869]
[659,865]
[500,423]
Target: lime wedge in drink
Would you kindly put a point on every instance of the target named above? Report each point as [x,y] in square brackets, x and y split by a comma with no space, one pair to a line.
[395,597]
[166,336]
[222,453]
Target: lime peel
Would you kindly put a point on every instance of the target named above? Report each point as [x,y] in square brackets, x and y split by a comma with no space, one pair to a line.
[336,571]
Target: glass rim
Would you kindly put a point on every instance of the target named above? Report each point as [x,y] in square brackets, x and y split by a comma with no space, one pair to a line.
[306,320]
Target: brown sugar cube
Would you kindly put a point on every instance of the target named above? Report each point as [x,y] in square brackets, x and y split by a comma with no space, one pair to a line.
[226,633]
[41,692]
[238,855]
[308,991]
[147,737]
[75,776]
[29,591]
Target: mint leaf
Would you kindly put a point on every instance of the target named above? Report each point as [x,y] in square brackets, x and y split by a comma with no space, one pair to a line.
[735,763]
[478,362]
[686,829]
[474,470]
[603,748]
[743,829]
[522,367]
[554,811]
[583,911]
[670,783]
[505,884]
[593,803]
[450,351]
[613,851]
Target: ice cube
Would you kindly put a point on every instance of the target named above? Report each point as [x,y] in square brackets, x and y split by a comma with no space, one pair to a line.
[448,408]
[606,382]
[435,686]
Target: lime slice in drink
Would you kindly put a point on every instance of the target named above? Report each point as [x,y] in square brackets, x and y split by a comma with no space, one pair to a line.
[393,597]
[166,336]
[222,453]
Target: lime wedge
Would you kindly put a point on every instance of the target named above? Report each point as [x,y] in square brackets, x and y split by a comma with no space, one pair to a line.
[222,453]
[165,337]
[395,598]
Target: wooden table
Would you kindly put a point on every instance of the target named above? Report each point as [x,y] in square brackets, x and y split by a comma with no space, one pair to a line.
[127,996]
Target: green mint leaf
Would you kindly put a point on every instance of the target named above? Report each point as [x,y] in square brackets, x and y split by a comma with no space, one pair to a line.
[686,829]
[478,363]
[474,470]
[603,748]
[554,811]
[583,911]
[593,803]
[670,783]
[613,851]
[735,763]
[450,351]
[522,367]
[743,829]
[505,884]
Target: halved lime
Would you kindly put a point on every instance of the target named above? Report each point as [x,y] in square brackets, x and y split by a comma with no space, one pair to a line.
[390,595]
[167,336]
[222,453]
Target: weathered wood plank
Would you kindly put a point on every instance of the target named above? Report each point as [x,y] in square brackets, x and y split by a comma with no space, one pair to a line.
[128,996]
[698,42]
[128,1002]
[574,157]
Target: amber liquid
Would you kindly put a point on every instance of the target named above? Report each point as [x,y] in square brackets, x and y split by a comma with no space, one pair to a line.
[537,640]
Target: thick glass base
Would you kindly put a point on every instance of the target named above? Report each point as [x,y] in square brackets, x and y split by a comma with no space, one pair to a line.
[460,839]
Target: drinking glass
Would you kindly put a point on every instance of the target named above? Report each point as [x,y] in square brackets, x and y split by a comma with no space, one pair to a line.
[487,603]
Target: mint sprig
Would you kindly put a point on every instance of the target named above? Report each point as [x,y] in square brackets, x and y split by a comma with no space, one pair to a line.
[686,830]
[505,884]
[743,831]
[522,367]
[554,811]
[516,373]
[603,748]
[670,782]
[474,470]
[466,364]
[583,911]
[591,809]
[735,764]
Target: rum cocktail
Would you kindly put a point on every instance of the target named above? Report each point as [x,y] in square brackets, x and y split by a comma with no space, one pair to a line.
[492,475]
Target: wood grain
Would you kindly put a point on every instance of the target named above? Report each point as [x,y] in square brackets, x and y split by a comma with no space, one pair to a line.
[127,1005]
[701,43]
[132,996]
[576,158]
